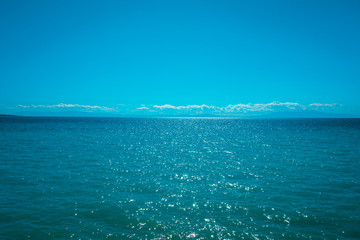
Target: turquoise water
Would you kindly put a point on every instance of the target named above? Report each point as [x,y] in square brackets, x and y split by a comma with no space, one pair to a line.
[122,178]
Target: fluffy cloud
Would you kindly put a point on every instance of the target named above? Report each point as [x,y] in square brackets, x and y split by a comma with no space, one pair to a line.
[188,107]
[324,105]
[243,108]
[235,108]
[263,107]
[231,109]
[67,106]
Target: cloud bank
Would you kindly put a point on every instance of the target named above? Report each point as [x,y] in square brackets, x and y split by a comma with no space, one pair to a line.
[240,108]
[141,108]
[324,105]
[62,106]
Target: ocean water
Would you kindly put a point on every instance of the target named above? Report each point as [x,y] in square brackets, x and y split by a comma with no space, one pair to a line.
[123,178]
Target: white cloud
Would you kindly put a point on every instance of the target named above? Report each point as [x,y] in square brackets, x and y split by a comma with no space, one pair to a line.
[242,108]
[165,106]
[324,105]
[74,106]
[187,107]
[263,107]
[235,108]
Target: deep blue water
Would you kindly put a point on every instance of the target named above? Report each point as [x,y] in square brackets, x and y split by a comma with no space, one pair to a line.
[122,178]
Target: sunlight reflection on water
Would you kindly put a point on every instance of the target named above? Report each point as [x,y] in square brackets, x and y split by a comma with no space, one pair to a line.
[179,178]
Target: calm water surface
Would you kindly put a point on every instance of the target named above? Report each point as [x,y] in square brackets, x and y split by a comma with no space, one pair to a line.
[122,178]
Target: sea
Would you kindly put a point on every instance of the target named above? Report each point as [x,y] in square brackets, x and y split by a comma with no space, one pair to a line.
[179,178]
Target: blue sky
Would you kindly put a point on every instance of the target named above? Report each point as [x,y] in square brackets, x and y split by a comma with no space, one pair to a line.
[131,56]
